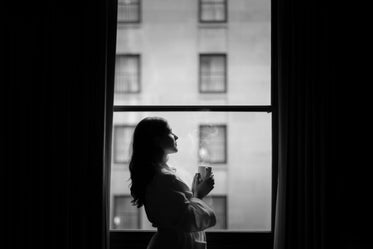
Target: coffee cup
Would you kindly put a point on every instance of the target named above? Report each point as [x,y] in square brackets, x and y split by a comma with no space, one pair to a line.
[204,171]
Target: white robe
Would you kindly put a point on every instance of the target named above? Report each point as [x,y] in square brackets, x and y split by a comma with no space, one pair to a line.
[180,218]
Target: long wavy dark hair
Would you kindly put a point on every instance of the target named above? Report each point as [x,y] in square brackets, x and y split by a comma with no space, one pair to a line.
[146,155]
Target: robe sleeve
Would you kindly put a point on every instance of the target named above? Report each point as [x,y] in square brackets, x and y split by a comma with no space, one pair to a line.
[181,210]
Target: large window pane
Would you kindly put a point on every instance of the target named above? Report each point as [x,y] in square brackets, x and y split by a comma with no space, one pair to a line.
[243,179]
[193,54]
[170,40]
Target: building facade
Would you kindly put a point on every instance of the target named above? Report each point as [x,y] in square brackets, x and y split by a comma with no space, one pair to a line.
[198,52]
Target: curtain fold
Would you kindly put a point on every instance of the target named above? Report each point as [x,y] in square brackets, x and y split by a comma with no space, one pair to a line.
[304,107]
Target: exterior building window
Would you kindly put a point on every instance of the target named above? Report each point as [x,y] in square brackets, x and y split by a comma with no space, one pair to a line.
[122,141]
[129,11]
[213,144]
[125,215]
[127,74]
[219,205]
[213,75]
[213,10]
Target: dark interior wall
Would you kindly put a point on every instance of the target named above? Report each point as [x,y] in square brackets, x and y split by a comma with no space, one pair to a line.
[348,180]
[340,67]
[53,124]
[53,120]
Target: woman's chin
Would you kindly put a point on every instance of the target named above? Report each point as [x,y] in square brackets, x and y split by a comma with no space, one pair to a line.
[171,151]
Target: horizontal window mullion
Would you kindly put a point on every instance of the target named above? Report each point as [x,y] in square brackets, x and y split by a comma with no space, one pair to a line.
[193,108]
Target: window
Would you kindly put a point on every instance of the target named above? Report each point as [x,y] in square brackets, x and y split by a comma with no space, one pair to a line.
[127,74]
[219,205]
[125,215]
[185,74]
[122,140]
[212,73]
[129,11]
[212,144]
[213,10]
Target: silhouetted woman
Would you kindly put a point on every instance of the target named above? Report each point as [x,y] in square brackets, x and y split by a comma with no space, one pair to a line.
[179,213]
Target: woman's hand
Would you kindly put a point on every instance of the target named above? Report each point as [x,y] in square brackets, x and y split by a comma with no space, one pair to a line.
[196,181]
[201,188]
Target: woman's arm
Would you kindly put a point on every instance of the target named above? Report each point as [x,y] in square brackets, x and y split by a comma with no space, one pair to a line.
[187,213]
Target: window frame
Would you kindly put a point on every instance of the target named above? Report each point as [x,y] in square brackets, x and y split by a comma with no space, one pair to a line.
[225,20]
[139,14]
[131,55]
[225,56]
[216,239]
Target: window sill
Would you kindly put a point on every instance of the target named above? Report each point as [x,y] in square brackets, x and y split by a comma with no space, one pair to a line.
[129,25]
[215,239]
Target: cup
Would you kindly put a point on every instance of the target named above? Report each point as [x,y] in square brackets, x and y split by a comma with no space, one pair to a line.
[204,171]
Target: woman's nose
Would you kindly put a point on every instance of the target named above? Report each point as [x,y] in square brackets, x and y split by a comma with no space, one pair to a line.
[176,137]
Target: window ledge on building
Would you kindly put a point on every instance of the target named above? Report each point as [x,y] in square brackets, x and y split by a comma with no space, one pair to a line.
[129,25]
[213,25]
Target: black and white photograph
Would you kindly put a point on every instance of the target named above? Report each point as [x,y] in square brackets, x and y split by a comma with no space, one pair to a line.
[186,124]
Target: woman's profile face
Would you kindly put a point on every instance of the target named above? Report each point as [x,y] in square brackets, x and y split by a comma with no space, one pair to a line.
[168,142]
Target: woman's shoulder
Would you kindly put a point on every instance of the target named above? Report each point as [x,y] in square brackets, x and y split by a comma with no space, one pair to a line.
[167,177]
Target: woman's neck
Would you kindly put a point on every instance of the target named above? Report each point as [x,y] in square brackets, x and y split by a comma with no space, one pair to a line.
[164,160]
[164,165]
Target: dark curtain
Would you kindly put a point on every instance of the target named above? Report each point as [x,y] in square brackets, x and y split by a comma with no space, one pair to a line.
[53,123]
[323,190]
